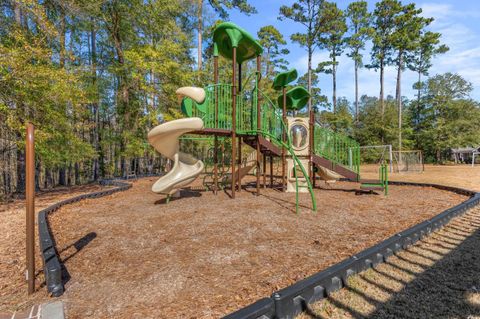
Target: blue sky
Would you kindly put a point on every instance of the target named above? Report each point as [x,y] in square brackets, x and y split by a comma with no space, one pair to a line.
[456,20]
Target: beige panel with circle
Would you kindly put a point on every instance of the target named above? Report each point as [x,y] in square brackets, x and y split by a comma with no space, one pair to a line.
[299,135]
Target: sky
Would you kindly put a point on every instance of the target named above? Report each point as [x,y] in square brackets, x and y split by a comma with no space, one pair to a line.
[457,21]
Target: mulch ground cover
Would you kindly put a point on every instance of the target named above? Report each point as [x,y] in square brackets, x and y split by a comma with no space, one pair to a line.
[130,255]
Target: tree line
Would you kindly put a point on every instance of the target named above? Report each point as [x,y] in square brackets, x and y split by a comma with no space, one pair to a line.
[396,35]
[95,76]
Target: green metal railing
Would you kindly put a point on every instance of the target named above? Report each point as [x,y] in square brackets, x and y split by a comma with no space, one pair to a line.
[337,148]
[382,179]
[216,111]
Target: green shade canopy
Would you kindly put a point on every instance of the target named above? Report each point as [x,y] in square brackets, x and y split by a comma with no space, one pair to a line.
[282,79]
[228,35]
[297,98]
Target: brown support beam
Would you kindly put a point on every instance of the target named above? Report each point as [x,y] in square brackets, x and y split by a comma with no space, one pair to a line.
[271,171]
[30,207]
[234,118]
[239,164]
[284,136]
[258,122]
[264,171]
[239,91]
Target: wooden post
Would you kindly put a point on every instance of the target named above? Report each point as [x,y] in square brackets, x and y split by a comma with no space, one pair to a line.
[264,170]
[30,207]
[284,135]
[215,143]
[239,91]
[239,163]
[259,74]
[271,171]
[234,120]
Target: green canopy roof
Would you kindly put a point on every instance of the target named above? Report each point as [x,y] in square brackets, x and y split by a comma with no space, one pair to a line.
[282,79]
[297,98]
[228,35]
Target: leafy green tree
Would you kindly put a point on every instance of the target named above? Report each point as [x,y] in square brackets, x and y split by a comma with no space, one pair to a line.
[450,117]
[341,120]
[307,13]
[359,20]
[272,41]
[372,130]
[332,39]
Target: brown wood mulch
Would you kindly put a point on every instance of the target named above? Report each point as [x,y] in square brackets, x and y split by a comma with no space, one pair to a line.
[130,255]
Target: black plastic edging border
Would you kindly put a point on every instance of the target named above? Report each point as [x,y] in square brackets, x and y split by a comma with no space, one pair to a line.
[292,300]
[52,267]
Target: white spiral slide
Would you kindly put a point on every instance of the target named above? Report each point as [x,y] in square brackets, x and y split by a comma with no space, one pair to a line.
[164,138]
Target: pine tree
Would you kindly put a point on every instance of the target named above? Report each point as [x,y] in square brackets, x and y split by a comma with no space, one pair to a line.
[307,13]
[384,26]
[359,20]
[332,39]
[272,42]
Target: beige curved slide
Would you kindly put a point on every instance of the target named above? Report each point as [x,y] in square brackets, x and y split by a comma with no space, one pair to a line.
[164,138]
[327,174]
[196,94]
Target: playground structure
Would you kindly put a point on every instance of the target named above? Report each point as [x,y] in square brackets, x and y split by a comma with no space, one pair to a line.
[228,110]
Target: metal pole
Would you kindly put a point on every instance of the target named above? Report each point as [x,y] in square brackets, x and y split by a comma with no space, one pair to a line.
[215,143]
[239,77]
[30,205]
[258,122]
[284,133]
[234,113]
[390,157]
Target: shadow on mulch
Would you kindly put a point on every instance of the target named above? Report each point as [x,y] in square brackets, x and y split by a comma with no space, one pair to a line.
[450,288]
[184,193]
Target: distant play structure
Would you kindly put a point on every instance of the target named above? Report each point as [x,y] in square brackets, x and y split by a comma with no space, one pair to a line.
[247,115]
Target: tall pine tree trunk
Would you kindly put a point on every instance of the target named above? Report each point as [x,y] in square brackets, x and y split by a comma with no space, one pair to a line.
[310,53]
[334,79]
[382,104]
[356,92]
[96,116]
[200,31]
[398,96]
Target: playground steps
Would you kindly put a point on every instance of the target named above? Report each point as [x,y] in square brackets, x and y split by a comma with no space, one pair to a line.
[380,184]
[266,147]
[321,161]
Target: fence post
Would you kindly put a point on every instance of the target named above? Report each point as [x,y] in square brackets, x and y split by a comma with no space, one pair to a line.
[30,206]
